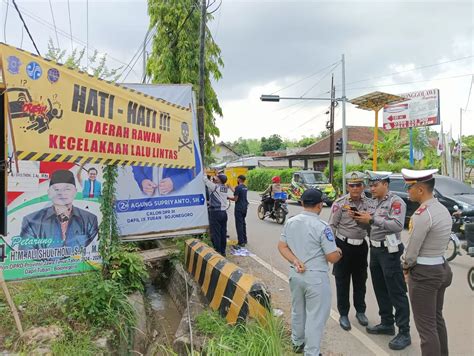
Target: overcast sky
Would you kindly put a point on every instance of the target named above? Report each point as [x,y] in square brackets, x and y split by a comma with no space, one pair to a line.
[269,45]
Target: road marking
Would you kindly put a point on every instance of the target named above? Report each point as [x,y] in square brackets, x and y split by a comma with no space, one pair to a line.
[364,339]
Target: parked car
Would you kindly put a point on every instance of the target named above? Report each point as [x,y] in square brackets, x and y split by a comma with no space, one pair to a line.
[449,191]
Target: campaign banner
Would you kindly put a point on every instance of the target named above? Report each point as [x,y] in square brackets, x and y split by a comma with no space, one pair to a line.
[53,216]
[420,109]
[162,201]
[63,115]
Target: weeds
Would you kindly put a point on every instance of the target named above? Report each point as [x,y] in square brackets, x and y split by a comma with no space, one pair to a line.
[257,338]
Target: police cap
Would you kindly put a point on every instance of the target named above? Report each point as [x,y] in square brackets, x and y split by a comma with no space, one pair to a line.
[355,177]
[312,196]
[377,176]
[418,176]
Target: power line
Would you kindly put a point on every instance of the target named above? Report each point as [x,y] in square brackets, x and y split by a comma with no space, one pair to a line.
[321,79]
[413,82]
[62,32]
[54,23]
[26,27]
[5,23]
[411,70]
[137,54]
[70,24]
[307,77]
[469,95]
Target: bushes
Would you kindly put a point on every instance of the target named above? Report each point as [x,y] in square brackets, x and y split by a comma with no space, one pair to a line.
[259,179]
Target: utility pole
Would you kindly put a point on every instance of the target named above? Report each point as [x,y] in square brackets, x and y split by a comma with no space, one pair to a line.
[331,132]
[344,128]
[144,55]
[200,109]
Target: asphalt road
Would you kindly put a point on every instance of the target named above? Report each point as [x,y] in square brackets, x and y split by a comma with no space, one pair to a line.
[263,237]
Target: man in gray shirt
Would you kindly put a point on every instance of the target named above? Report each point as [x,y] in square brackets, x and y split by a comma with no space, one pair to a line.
[386,248]
[425,268]
[308,244]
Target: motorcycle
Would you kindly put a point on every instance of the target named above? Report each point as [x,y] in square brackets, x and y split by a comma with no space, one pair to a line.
[278,211]
[462,229]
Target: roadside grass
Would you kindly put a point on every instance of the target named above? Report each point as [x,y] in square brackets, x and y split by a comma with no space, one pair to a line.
[257,338]
[85,307]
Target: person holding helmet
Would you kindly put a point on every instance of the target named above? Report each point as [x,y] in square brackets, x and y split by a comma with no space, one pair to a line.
[273,188]
[218,203]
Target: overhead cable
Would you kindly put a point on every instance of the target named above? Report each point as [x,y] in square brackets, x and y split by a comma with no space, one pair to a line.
[26,27]
[54,23]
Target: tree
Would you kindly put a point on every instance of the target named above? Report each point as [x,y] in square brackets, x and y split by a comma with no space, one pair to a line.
[97,64]
[272,143]
[306,141]
[175,55]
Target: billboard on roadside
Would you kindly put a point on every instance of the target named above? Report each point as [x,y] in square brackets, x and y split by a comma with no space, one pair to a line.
[156,202]
[53,216]
[420,109]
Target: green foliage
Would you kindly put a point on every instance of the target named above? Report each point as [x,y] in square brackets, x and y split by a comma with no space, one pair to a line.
[246,146]
[97,64]
[259,179]
[175,55]
[102,304]
[468,142]
[264,338]
[127,268]
[272,143]
[84,306]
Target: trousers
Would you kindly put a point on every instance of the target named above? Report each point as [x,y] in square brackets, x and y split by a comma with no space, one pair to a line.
[218,230]
[310,308]
[241,225]
[353,265]
[426,287]
[390,287]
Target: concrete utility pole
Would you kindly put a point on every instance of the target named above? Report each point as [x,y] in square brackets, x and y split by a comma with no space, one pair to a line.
[461,166]
[200,109]
[344,127]
[331,132]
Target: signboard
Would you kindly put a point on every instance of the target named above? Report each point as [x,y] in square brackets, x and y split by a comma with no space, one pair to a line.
[420,109]
[53,220]
[62,115]
[162,202]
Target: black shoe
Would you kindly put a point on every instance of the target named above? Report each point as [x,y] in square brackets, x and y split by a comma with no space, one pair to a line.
[241,245]
[400,341]
[344,322]
[298,349]
[362,319]
[381,329]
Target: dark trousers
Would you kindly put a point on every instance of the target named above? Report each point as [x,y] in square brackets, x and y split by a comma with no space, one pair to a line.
[241,225]
[390,287]
[218,229]
[352,265]
[426,287]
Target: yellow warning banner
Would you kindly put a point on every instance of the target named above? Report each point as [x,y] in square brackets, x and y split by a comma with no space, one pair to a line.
[60,114]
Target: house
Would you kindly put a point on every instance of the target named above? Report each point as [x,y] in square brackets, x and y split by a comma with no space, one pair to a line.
[316,156]
[223,153]
[250,162]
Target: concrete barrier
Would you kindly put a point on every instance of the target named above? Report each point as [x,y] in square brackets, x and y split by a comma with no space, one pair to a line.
[235,294]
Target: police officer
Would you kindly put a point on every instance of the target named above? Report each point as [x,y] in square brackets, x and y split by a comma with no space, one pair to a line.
[350,238]
[240,210]
[386,248]
[218,204]
[424,266]
[308,244]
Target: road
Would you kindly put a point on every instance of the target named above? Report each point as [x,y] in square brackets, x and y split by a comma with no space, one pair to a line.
[459,301]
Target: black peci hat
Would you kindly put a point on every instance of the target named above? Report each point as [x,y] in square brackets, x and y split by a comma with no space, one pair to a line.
[312,196]
[62,176]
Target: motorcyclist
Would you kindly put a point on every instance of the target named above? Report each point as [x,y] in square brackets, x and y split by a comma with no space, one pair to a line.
[274,187]
[469,243]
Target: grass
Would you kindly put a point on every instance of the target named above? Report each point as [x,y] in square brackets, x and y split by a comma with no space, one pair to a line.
[264,338]
[84,306]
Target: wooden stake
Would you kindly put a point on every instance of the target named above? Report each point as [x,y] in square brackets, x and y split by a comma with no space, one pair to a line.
[11,303]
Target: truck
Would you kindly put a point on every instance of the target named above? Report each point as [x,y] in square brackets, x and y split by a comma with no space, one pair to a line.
[306,179]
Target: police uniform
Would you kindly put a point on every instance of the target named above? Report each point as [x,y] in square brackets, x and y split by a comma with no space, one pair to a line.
[310,239]
[350,238]
[428,273]
[386,248]
[217,205]
[240,211]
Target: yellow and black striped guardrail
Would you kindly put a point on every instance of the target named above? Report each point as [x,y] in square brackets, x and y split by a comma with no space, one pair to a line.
[235,294]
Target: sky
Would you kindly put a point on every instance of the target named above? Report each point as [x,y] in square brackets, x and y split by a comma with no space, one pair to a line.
[290,48]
